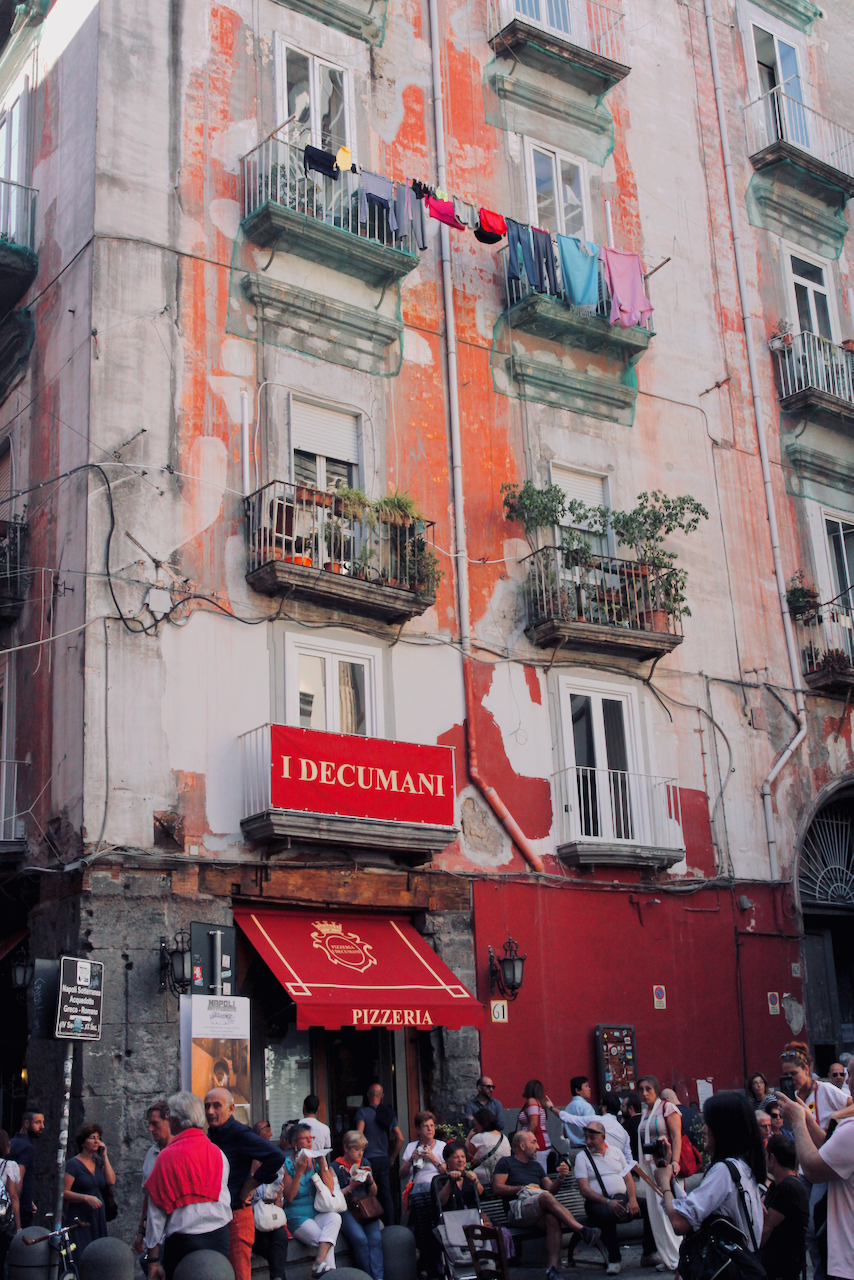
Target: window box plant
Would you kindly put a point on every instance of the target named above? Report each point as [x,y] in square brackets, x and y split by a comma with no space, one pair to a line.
[801,596]
[781,336]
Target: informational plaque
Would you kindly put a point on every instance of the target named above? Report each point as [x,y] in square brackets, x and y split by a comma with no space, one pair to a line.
[618,1064]
[81,993]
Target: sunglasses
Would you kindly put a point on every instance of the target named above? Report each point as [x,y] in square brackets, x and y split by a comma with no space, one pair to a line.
[487,1086]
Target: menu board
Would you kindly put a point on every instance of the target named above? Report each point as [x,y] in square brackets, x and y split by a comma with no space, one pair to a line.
[617,1059]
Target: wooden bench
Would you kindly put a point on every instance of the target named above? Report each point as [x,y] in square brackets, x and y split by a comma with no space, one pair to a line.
[496,1210]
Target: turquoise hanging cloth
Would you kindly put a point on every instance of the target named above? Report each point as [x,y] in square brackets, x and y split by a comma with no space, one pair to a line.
[579,267]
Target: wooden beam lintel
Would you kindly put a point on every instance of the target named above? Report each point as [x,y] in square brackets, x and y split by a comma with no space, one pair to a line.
[410,891]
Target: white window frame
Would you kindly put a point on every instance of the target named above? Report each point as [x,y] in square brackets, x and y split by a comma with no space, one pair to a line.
[788,248]
[752,16]
[821,546]
[532,145]
[606,495]
[362,478]
[282,46]
[331,651]
[579,36]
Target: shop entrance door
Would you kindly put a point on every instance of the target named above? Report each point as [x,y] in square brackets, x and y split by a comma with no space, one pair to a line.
[353,1060]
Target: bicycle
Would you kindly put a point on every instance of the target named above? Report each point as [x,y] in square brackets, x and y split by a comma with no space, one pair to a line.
[60,1240]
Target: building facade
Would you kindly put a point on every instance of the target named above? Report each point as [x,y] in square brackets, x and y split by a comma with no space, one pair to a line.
[273,641]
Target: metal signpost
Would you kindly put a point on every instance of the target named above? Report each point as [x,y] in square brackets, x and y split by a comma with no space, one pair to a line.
[78,1017]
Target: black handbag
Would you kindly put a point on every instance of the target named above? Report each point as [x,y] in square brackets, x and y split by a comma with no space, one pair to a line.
[719,1248]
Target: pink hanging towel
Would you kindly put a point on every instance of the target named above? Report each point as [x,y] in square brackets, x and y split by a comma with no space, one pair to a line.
[624,276]
[444,211]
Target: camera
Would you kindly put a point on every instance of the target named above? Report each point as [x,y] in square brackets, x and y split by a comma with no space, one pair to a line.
[657,1150]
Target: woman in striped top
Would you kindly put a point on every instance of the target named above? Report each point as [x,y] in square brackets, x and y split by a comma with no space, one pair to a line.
[532,1117]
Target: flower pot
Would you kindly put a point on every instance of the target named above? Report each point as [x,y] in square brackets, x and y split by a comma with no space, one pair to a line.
[303,560]
[656,620]
[333,566]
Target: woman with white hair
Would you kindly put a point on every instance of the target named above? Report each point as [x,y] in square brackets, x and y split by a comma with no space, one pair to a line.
[318,1230]
[189,1200]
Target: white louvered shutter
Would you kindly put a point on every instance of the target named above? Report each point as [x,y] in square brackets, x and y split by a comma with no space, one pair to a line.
[327,432]
[5,484]
[577,484]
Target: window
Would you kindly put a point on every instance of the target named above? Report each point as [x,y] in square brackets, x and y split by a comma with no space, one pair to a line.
[312,98]
[13,206]
[325,445]
[332,687]
[560,15]
[777,65]
[5,481]
[599,747]
[840,541]
[810,296]
[590,490]
[557,194]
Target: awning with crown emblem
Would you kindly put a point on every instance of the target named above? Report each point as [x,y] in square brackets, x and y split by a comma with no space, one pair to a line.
[347,970]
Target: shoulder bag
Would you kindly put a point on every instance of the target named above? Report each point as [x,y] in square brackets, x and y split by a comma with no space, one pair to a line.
[482,1159]
[720,1246]
[326,1201]
[108,1195]
[366,1208]
[7,1213]
[622,1196]
[268,1216]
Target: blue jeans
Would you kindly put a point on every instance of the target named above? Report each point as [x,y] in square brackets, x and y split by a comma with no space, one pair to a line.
[365,1243]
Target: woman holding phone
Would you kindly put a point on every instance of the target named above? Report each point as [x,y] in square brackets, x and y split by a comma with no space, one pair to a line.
[86,1176]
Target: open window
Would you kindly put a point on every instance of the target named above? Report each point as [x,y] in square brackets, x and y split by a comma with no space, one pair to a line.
[840,546]
[313,98]
[325,444]
[600,751]
[810,294]
[780,86]
[557,190]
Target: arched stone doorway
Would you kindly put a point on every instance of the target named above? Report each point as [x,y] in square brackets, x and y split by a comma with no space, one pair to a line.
[826,892]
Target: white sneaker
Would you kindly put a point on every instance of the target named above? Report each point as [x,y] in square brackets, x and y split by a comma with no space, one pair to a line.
[612,1269]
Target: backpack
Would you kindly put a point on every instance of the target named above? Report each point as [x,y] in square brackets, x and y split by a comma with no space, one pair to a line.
[719,1247]
[7,1213]
[690,1160]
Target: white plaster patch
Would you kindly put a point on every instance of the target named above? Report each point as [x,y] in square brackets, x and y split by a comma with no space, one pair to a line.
[487,846]
[524,725]
[237,357]
[416,348]
[515,551]
[225,215]
[483,326]
[414,669]
[228,389]
[794,1011]
[228,146]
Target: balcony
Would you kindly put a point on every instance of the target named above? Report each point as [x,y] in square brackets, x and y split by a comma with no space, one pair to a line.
[599,604]
[14,578]
[18,262]
[782,130]
[608,391]
[815,374]
[609,817]
[306,787]
[340,552]
[825,638]
[317,218]
[577,41]
[364,19]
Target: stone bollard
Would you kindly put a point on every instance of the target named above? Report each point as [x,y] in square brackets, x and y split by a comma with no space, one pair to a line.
[205,1264]
[30,1261]
[106,1259]
[398,1254]
[350,1273]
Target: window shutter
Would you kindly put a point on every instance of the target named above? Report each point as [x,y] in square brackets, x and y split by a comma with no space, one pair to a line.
[5,484]
[577,484]
[325,431]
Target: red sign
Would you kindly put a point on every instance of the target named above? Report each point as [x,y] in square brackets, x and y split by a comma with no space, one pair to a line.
[354,777]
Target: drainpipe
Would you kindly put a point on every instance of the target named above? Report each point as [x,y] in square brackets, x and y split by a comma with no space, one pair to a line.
[489,793]
[244,441]
[788,630]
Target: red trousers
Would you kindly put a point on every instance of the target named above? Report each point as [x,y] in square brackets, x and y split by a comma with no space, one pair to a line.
[241,1234]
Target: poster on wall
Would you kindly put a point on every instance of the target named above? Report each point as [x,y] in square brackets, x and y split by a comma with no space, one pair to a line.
[616,1057]
[215,1048]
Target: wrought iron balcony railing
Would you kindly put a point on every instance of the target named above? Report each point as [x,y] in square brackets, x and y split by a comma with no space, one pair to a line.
[275,171]
[825,635]
[808,364]
[14,576]
[778,121]
[568,585]
[313,530]
[515,289]
[584,23]
[617,807]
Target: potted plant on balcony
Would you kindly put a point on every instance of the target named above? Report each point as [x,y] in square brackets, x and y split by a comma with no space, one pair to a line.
[533,508]
[781,336]
[424,572]
[645,529]
[801,597]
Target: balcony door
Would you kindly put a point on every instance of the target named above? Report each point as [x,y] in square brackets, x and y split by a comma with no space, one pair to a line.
[781,89]
[808,282]
[557,190]
[600,793]
[567,17]
[333,687]
[312,98]
[840,544]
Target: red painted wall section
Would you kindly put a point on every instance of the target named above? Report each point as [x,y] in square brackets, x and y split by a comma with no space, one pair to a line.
[697,831]
[593,956]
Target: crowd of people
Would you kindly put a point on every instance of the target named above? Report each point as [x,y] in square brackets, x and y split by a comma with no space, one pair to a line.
[777,1164]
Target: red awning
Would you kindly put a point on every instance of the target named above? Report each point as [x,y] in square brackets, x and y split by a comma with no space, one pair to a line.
[358,971]
[14,940]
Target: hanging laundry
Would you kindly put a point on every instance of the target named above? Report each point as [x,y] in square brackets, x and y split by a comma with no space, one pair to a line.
[420,189]
[579,267]
[379,191]
[441,195]
[490,228]
[443,211]
[544,262]
[465,213]
[624,276]
[343,159]
[322,161]
[416,210]
[519,241]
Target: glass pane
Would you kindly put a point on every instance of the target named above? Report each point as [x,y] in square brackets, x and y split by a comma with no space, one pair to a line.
[305,468]
[529,9]
[544,182]
[333,117]
[585,760]
[807,271]
[559,16]
[338,473]
[822,314]
[351,698]
[615,734]
[287,1074]
[573,210]
[802,298]
[312,692]
[790,80]
[299,97]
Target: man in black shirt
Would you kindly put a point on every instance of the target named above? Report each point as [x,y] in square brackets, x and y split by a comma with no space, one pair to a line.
[787,1211]
[519,1178]
[23,1152]
[632,1112]
[241,1147]
[378,1122]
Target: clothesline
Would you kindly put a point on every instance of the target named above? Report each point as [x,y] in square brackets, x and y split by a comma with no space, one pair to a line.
[529,248]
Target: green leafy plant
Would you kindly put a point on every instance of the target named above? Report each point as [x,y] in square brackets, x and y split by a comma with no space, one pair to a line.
[645,528]
[800,596]
[533,508]
[424,571]
[397,508]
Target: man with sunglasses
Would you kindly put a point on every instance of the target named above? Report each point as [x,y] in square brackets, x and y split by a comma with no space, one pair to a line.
[839,1076]
[485,1097]
[605,1181]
